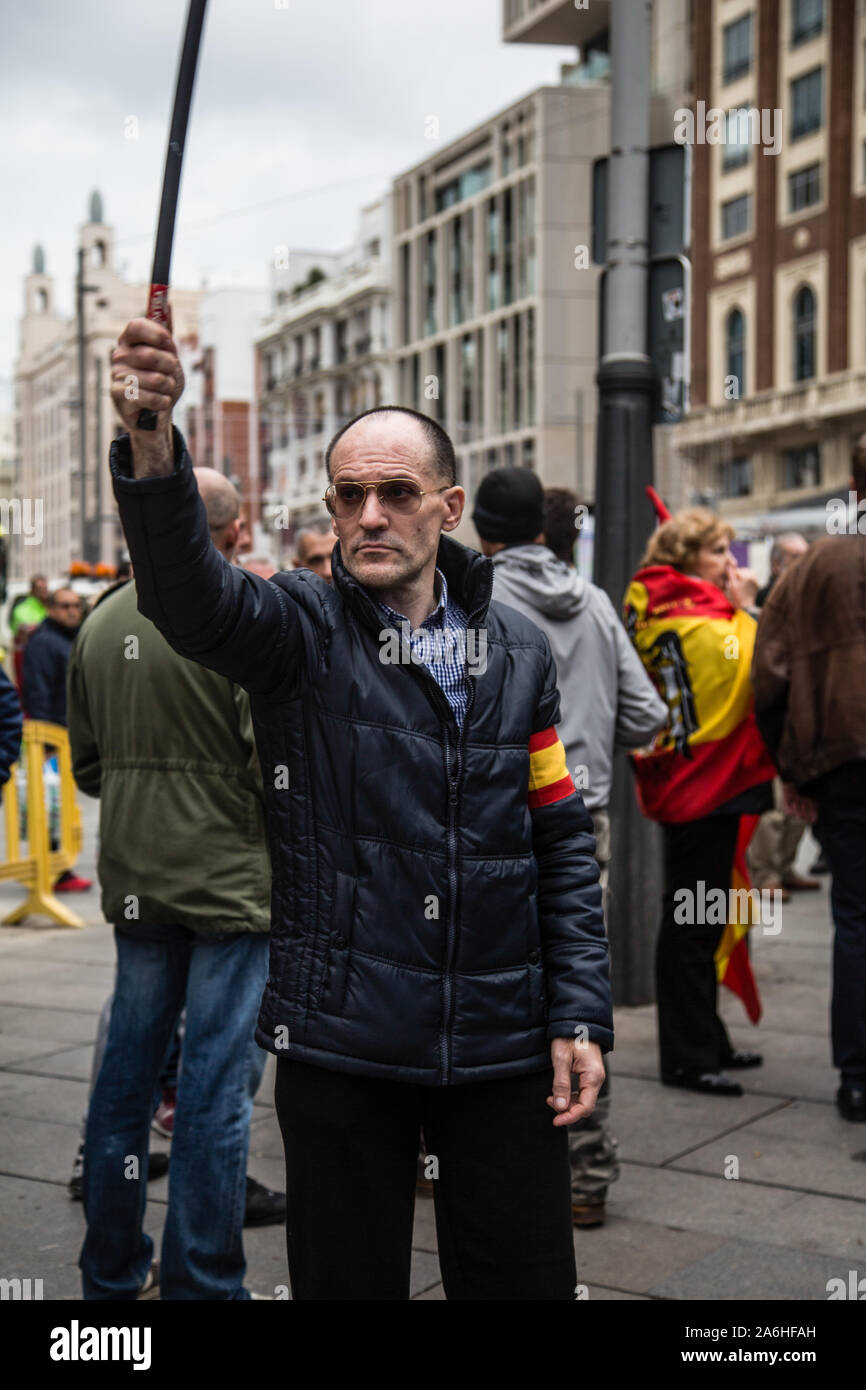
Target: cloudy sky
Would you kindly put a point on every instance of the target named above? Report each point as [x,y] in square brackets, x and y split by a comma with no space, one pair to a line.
[304,109]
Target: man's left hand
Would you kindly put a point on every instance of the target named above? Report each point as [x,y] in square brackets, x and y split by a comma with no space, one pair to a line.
[569,1056]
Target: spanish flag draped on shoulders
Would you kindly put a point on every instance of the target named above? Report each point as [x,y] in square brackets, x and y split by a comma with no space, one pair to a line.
[698,648]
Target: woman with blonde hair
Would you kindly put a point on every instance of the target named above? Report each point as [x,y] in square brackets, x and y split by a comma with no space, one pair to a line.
[706,779]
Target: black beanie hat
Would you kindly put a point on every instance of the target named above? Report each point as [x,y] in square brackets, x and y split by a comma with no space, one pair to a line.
[509,506]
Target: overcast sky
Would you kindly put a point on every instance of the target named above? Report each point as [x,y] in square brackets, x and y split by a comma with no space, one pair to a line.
[312,107]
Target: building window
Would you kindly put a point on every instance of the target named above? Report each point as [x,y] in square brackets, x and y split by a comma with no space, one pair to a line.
[737,44]
[737,139]
[468,183]
[467,380]
[735,338]
[503,354]
[461,269]
[527,452]
[737,477]
[807,103]
[508,246]
[440,381]
[804,188]
[736,216]
[804,334]
[430,283]
[530,368]
[406,291]
[493,284]
[803,467]
[517,374]
[807,20]
[341,344]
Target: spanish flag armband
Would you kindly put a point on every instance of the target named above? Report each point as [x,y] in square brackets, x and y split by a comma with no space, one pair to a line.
[549,778]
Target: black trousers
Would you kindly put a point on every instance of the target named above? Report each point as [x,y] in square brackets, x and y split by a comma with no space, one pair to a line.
[501,1187]
[691,1035]
[841,797]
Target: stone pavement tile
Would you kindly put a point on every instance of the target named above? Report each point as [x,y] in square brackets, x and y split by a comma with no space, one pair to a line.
[655,1123]
[43,1232]
[16,1049]
[804,1145]
[693,1202]
[267,1262]
[736,1210]
[271,1172]
[597,1293]
[266,1140]
[425,1273]
[791,1006]
[424,1235]
[434,1295]
[42,1098]
[91,945]
[750,1270]
[62,989]
[827,1225]
[18,969]
[633,1256]
[37,1149]
[791,1067]
[264,1098]
[70,1063]
[48,1026]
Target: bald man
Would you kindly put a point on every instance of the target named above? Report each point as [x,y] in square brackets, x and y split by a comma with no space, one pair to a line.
[168,748]
[313,552]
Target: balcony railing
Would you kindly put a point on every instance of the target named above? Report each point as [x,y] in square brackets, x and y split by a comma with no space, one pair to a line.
[844,393]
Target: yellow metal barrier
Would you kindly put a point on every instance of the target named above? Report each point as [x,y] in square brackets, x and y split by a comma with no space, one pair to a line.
[39,869]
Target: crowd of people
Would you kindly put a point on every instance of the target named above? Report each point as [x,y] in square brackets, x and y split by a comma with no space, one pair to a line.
[393,875]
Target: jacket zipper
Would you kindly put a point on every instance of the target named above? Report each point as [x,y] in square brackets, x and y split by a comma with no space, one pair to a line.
[453,852]
[447,717]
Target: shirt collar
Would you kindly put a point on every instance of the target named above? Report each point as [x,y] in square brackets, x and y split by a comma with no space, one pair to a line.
[438,613]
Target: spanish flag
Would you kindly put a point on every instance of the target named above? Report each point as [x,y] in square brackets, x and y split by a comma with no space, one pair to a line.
[698,649]
[733,967]
[549,778]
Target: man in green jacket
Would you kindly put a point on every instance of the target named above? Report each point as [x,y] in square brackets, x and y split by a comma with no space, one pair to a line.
[183,865]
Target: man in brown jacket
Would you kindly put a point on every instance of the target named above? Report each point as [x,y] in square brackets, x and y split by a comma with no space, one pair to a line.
[809,677]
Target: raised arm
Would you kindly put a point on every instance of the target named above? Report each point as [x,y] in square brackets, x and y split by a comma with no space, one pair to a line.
[232,621]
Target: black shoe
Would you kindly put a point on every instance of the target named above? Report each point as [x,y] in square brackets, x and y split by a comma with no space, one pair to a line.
[264,1208]
[739,1059]
[820,865]
[710,1083]
[157,1167]
[851,1102]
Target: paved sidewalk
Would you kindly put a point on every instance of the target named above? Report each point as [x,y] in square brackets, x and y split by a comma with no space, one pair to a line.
[678,1228]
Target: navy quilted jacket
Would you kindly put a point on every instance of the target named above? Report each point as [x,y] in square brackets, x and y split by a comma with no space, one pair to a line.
[427,925]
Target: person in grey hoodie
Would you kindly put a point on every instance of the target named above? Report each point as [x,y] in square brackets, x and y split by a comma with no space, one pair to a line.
[608,704]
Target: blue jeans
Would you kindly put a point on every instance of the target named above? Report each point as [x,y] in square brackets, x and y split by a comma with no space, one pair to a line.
[219,980]
[841,828]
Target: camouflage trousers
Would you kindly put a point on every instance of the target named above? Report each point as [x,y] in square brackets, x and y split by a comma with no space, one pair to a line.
[592,1148]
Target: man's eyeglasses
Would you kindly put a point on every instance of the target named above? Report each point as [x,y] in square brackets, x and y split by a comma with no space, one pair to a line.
[399,495]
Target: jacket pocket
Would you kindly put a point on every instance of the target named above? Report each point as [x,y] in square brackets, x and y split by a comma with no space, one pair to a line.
[332,992]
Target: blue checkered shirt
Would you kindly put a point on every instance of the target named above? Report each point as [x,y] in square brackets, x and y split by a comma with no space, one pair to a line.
[440,644]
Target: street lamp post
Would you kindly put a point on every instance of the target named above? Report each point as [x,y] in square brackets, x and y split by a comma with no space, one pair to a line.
[624,466]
